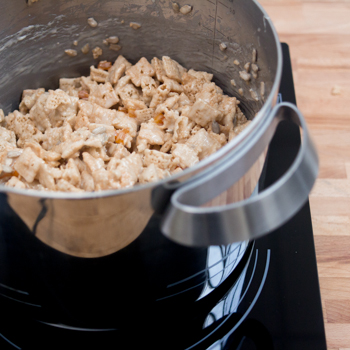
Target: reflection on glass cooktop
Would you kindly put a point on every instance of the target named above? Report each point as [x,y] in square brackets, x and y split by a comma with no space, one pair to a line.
[288,313]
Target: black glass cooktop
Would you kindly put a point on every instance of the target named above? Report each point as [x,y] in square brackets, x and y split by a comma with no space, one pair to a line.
[288,313]
[251,295]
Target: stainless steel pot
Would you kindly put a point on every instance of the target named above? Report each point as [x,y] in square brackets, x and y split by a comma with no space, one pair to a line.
[99,261]
[32,44]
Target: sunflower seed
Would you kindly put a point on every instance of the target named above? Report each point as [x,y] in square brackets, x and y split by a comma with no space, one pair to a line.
[185,10]
[254,94]
[262,89]
[255,68]
[85,49]
[254,55]
[135,25]
[92,22]
[176,7]
[115,47]
[14,154]
[244,75]
[7,169]
[2,116]
[215,127]
[113,40]
[99,130]
[223,47]
[71,53]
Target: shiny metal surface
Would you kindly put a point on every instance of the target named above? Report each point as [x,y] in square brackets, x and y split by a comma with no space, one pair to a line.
[189,224]
[85,228]
[32,43]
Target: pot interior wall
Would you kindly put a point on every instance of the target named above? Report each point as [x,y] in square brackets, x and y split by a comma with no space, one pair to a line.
[33,40]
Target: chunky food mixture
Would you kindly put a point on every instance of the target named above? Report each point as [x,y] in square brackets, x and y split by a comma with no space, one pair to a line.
[123,125]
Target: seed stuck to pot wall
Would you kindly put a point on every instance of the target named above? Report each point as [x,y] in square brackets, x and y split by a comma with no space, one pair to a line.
[185,10]
[176,7]
[135,25]
[223,47]
[85,49]
[71,53]
[92,22]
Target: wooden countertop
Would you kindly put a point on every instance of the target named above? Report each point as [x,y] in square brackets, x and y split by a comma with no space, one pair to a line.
[318,33]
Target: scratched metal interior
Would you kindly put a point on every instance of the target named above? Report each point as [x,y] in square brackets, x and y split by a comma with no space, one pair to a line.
[33,40]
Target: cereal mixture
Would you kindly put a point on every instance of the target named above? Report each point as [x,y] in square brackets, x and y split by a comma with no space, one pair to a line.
[123,125]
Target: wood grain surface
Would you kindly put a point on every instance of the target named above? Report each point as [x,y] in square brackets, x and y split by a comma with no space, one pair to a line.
[318,33]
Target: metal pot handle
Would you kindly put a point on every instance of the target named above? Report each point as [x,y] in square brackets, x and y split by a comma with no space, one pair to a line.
[187,223]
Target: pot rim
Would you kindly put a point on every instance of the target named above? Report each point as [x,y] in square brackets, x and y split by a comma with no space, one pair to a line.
[202,165]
